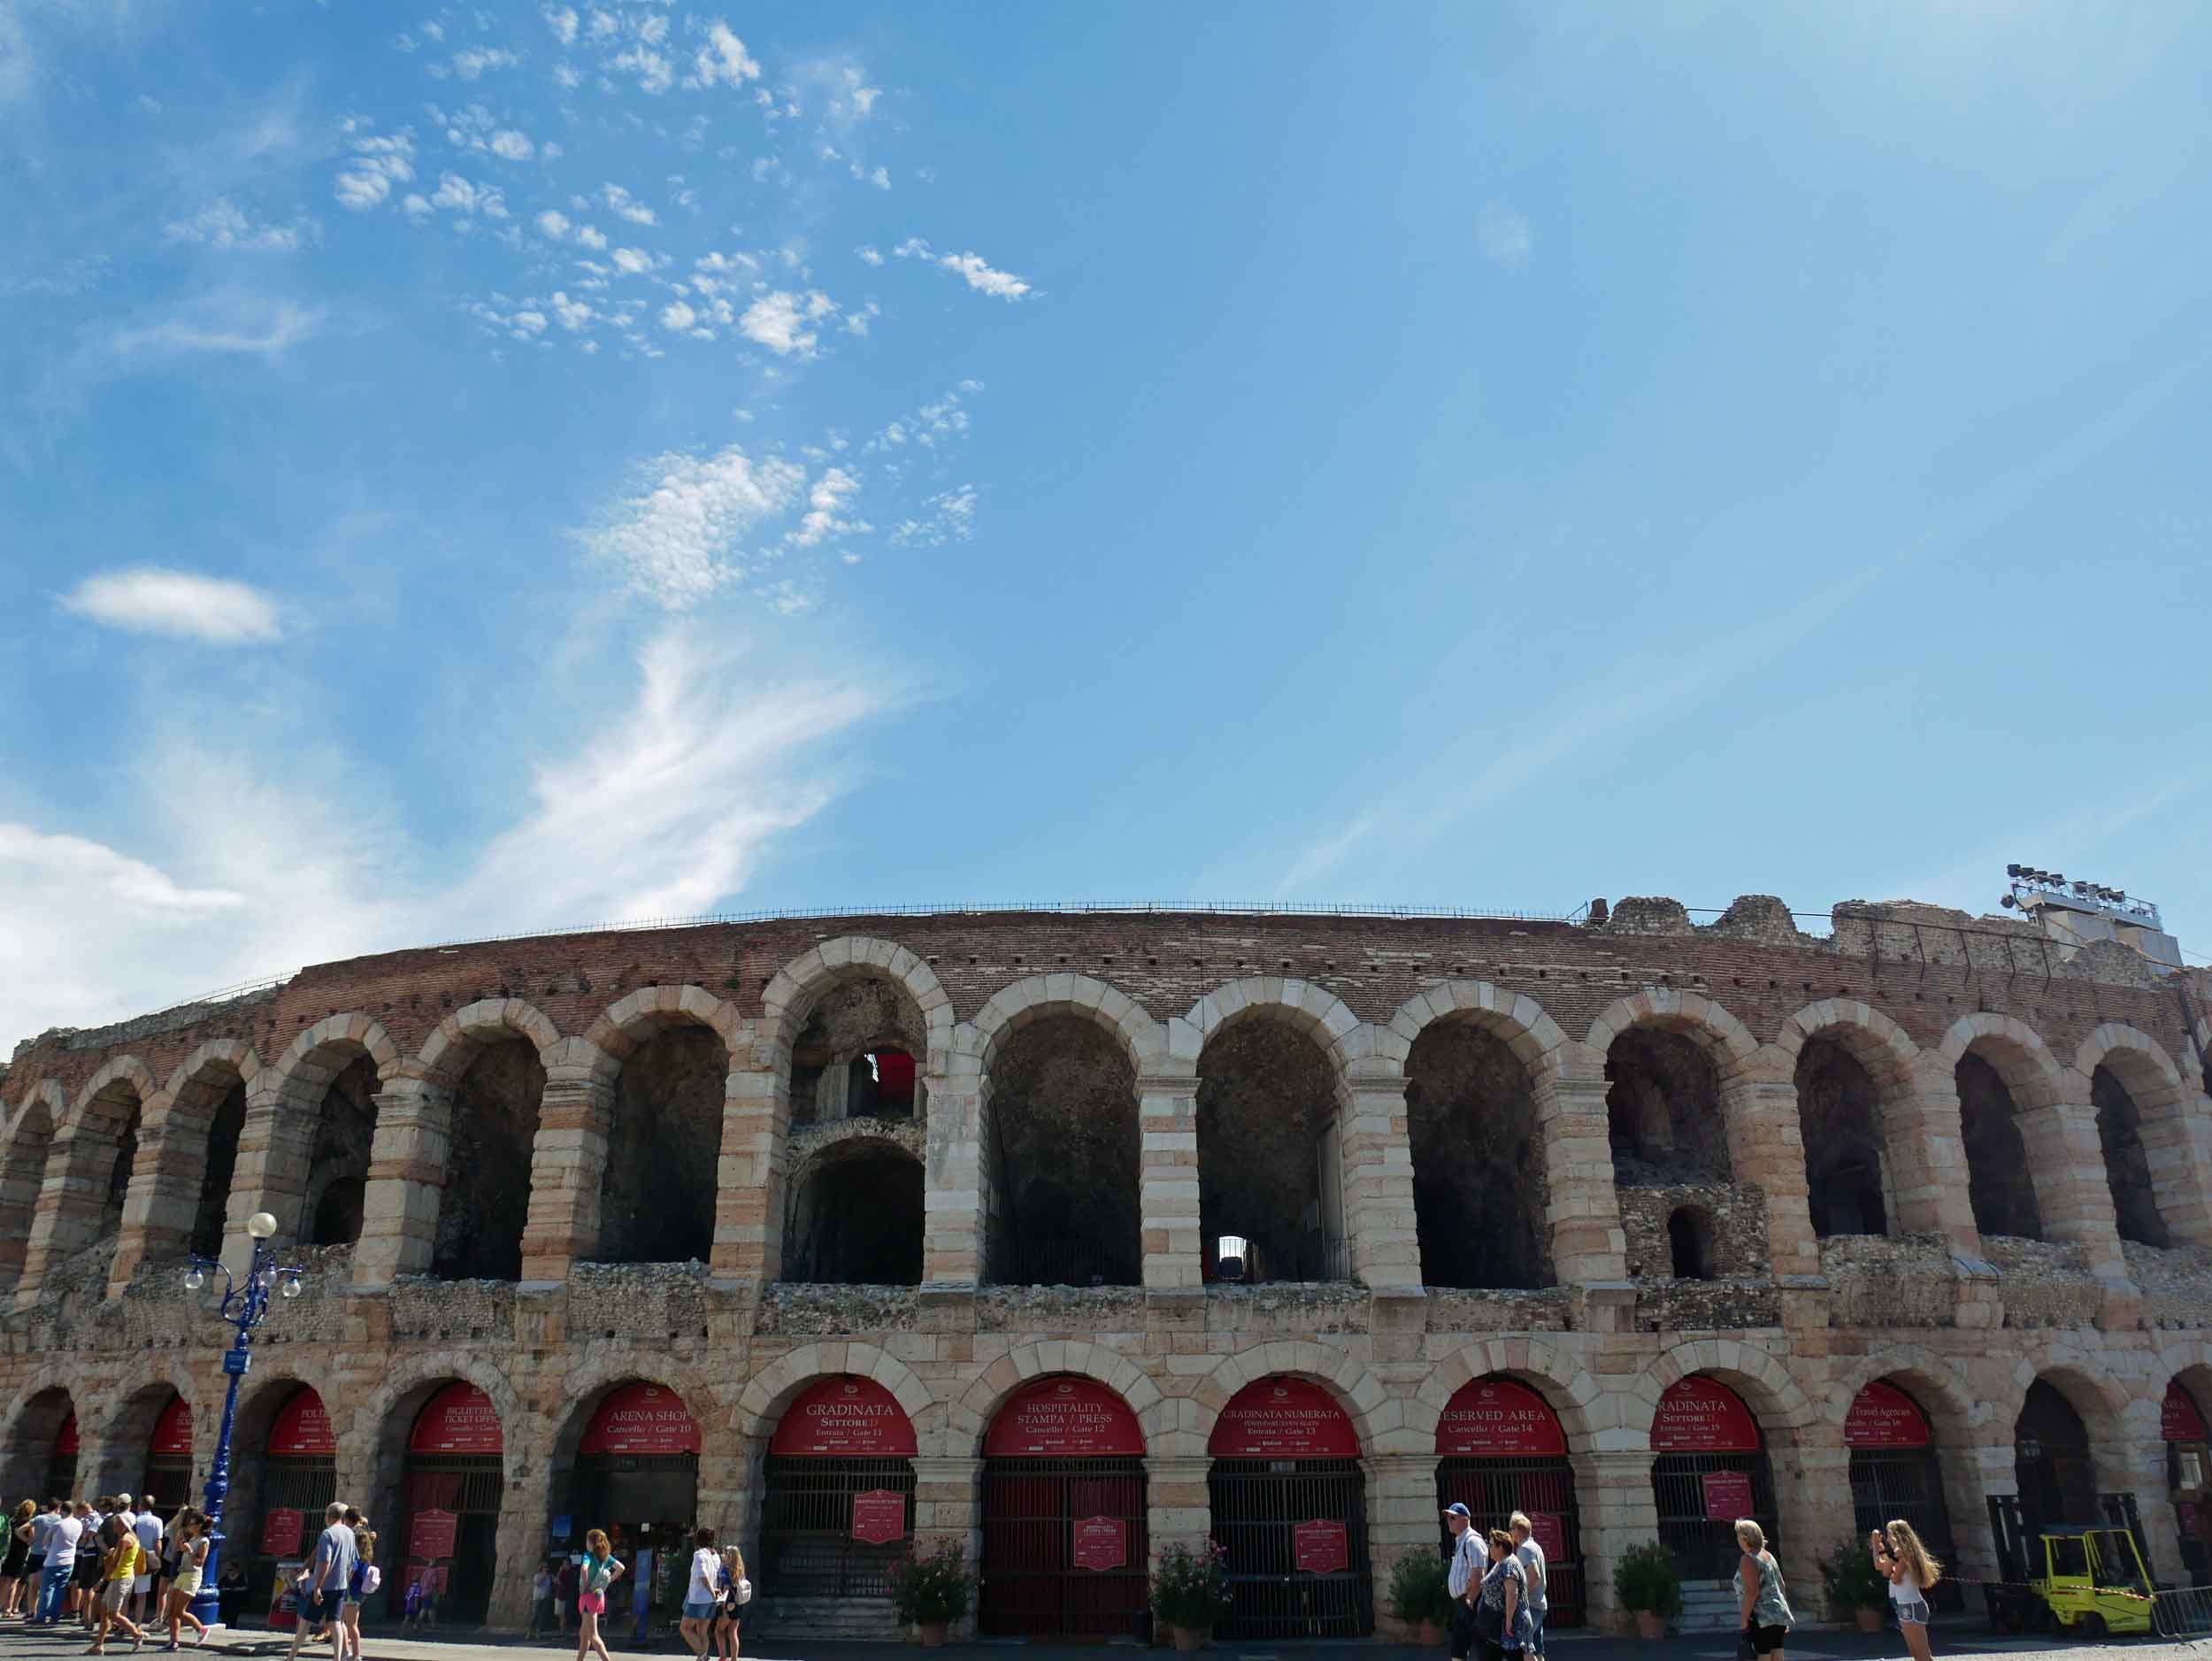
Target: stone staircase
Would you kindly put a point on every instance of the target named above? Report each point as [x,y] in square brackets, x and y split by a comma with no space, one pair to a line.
[1709,1606]
[824,1618]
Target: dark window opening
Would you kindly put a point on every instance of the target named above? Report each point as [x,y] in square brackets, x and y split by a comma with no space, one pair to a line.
[1480,1192]
[1066,1149]
[2127,1166]
[855,1056]
[223,1131]
[857,1221]
[119,1174]
[1267,1149]
[486,1202]
[2051,1461]
[879,1084]
[338,1213]
[1664,1111]
[1997,1181]
[338,1170]
[656,1197]
[1839,1117]
[1690,1243]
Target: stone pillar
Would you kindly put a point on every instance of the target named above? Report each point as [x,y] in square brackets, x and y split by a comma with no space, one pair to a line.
[1813,1514]
[1402,1520]
[163,1201]
[1766,1145]
[1927,1157]
[1971,1476]
[1167,1192]
[2172,1122]
[954,1180]
[274,1145]
[1178,1510]
[2067,1163]
[66,1218]
[948,1507]
[1377,1153]
[1616,1511]
[1587,1242]
[2134,1463]
[519,1543]
[748,1207]
[408,1158]
[568,1159]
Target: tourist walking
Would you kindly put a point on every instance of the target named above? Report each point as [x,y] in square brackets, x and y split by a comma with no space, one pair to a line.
[184,1582]
[17,1561]
[63,1536]
[42,1523]
[1502,1609]
[1912,1574]
[119,1571]
[1765,1608]
[1538,1572]
[734,1588]
[147,1528]
[1464,1577]
[540,1601]
[703,1595]
[564,1596]
[599,1570]
[363,1579]
[84,1585]
[322,1584]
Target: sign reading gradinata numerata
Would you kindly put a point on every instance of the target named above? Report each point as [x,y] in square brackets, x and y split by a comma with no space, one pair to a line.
[641,1419]
[1321,1546]
[1727,1495]
[1283,1419]
[2178,1419]
[172,1431]
[1883,1416]
[1101,1543]
[432,1534]
[1496,1419]
[844,1417]
[878,1516]
[458,1420]
[1065,1417]
[65,1438]
[302,1427]
[1703,1414]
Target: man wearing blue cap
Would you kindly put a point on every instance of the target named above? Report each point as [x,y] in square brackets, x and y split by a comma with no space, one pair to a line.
[1464,1578]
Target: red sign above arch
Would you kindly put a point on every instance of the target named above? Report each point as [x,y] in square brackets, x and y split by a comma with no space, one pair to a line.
[1065,1417]
[1883,1416]
[845,1417]
[1283,1417]
[65,1438]
[2178,1418]
[172,1431]
[302,1427]
[458,1420]
[640,1419]
[1703,1414]
[1496,1419]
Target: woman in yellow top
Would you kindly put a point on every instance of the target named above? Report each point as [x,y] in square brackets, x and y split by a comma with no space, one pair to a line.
[118,1567]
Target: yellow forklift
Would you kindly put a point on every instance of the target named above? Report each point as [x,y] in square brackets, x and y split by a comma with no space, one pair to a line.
[2089,1580]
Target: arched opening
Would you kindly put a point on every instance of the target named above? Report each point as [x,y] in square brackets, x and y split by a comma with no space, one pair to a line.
[448,1526]
[1065,1544]
[837,1498]
[1997,1181]
[1690,1242]
[2189,1478]
[1481,1193]
[856,1218]
[1270,1168]
[119,1175]
[1062,1118]
[295,1477]
[211,1207]
[656,1199]
[880,1084]
[166,1484]
[1290,1513]
[2051,1459]
[855,1056]
[1895,1473]
[1501,1449]
[1839,1116]
[636,1476]
[42,1459]
[22,1174]
[495,1129]
[338,1170]
[1710,1469]
[61,1469]
[1664,1111]
[2127,1167]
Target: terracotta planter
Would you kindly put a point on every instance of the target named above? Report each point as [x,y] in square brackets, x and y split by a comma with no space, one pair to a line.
[1190,1637]
[1428,1634]
[1651,1626]
[1870,1618]
[933,1632]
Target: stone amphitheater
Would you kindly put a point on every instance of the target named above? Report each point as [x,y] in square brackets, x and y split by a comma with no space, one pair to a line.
[1068,1236]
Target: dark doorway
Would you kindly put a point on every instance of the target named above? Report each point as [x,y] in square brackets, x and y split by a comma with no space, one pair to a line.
[2051,1459]
[657,1202]
[1997,1183]
[1481,1193]
[856,1219]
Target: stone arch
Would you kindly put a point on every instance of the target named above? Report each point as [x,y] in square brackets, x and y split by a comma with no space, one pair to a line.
[855,1210]
[1849,1064]
[483,1073]
[1356,1389]
[192,1133]
[1876,1042]
[2142,1107]
[307,1064]
[2083,1379]
[1682,1117]
[582,1389]
[629,1021]
[122,1434]
[971,1415]
[795,986]
[1315,1010]
[100,1095]
[94,1155]
[1703,1021]
[1957,1407]
[454,1042]
[1552,1374]
[2001,1073]
[771,1389]
[33,1421]
[294,1153]
[1518,1019]
[368,1441]
[23,1159]
[2014,1048]
[1011,1008]
[1779,1401]
[2115,1042]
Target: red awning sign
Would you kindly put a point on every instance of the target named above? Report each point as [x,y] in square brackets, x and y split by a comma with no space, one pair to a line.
[432,1534]
[844,1417]
[1283,1417]
[2178,1418]
[281,1531]
[1065,1417]
[458,1420]
[65,1438]
[1703,1414]
[1496,1419]
[643,1418]
[1101,1543]
[879,1516]
[1883,1416]
[172,1431]
[302,1427]
[1727,1495]
[1320,1547]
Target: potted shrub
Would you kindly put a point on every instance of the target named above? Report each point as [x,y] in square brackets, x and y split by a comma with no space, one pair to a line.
[1645,1582]
[932,1592]
[1853,1582]
[1420,1594]
[1190,1591]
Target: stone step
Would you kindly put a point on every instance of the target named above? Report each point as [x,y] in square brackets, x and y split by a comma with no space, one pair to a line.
[825,1618]
[1709,1606]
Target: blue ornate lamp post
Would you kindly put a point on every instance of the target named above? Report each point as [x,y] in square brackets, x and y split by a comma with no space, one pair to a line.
[245,1307]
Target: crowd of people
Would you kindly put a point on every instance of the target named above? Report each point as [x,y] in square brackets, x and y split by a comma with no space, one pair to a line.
[100,1565]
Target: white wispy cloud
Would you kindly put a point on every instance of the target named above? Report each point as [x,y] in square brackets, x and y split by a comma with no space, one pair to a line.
[182,604]
[724,60]
[827,500]
[970,268]
[376,164]
[1505,238]
[552,224]
[620,201]
[782,321]
[223,223]
[680,538]
[869,255]
[562,20]
[474,62]
[225,324]
[946,517]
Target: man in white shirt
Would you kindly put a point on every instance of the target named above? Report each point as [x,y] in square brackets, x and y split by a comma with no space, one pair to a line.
[1463,1580]
[61,1563]
[148,1528]
[1538,1572]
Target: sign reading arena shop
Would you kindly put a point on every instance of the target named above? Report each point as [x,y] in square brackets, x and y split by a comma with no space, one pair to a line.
[1496,1419]
[458,1420]
[640,1419]
[1064,1418]
[1883,1416]
[1283,1419]
[845,1418]
[2178,1419]
[1703,1414]
[302,1427]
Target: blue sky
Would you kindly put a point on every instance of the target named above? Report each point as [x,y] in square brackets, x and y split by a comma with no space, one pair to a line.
[475,470]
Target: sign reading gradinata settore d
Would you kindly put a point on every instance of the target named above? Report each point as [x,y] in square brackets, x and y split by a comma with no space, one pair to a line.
[1283,1419]
[1495,1419]
[1065,1417]
[844,1417]
[1703,1414]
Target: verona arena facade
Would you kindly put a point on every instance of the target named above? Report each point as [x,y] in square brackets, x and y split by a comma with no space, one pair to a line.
[1176,1155]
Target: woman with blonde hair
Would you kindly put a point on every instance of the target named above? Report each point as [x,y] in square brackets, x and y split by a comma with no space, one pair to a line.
[1912,1574]
[725,1619]
[17,1559]
[1766,1612]
[184,1585]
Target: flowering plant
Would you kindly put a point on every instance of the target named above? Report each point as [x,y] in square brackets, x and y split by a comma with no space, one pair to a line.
[934,1589]
[1190,1589]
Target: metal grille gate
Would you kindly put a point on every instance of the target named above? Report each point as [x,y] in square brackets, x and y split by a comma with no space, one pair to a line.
[1493,1489]
[1256,1502]
[806,1522]
[1031,1586]
[1705,1547]
[1907,1484]
[303,1484]
[469,1486]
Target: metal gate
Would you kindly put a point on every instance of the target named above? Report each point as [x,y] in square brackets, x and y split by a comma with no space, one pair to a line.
[1256,1502]
[303,1483]
[1493,1489]
[806,1523]
[167,1486]
[1032,1587]
[469,1486]
[1705,1547]
[1907,1483]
